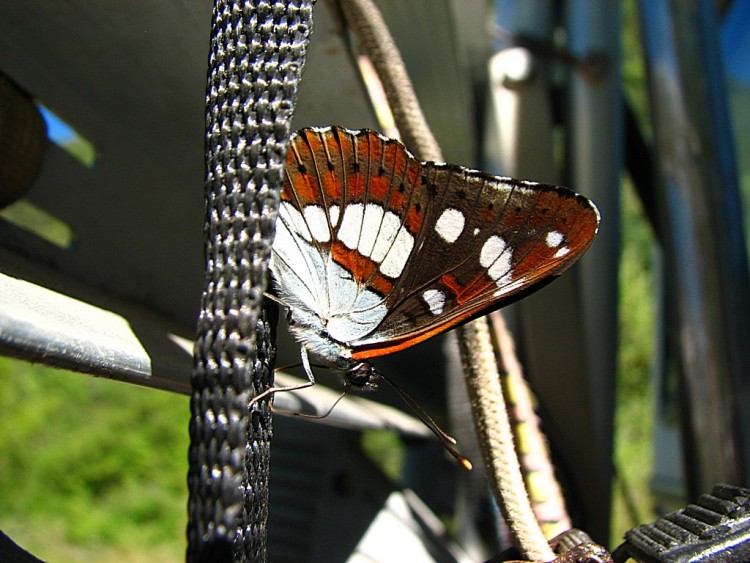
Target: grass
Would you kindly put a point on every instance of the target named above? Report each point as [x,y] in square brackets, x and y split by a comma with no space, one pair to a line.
[632,500]
[91,469]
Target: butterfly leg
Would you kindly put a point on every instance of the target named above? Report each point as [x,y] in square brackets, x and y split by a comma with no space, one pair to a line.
[330,409]
[280,303]
[309,383]
[307,366]
[272,297]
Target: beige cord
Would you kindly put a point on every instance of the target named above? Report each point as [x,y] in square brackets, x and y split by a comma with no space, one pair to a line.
[545,493]
[364,18]
[480,368]
[495,438]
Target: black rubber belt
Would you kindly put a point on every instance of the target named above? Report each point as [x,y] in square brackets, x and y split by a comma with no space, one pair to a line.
[257,53]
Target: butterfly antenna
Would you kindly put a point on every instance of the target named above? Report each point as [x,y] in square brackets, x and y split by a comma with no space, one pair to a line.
[448,441]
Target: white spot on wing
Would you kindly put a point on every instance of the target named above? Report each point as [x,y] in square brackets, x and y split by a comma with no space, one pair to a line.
[333,214]
[562,252]
[435,300]
[450,225]
[373,218]
[351,225]
[494,257]
[377,235]
[492,248]
[317,222]
[394,262]
[388,231]
[294,221]
[554,239]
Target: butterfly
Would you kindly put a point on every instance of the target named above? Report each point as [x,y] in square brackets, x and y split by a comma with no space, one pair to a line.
[376,251]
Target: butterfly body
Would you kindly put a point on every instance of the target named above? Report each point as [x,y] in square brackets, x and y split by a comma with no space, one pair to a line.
[376,251]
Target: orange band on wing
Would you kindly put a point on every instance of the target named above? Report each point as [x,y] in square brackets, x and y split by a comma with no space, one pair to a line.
[363,270]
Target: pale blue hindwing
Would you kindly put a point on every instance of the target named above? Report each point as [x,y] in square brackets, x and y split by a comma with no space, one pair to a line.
[323,297]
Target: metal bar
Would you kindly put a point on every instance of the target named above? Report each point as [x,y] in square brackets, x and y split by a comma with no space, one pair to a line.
[704,248]
[595,136]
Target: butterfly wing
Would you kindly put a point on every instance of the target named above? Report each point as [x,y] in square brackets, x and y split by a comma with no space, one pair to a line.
[484,240]
[343,232]
[391,251]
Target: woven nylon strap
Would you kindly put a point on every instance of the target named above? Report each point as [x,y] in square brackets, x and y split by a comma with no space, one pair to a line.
[257,53]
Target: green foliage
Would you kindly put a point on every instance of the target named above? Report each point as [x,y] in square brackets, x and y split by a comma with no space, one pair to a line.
[632,67]
[385,449]
[632,500]
[88,462]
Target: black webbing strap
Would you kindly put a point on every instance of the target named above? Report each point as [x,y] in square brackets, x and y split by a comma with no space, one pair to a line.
[257,53]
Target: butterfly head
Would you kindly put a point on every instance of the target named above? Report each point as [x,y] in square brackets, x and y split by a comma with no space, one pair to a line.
[362,376]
